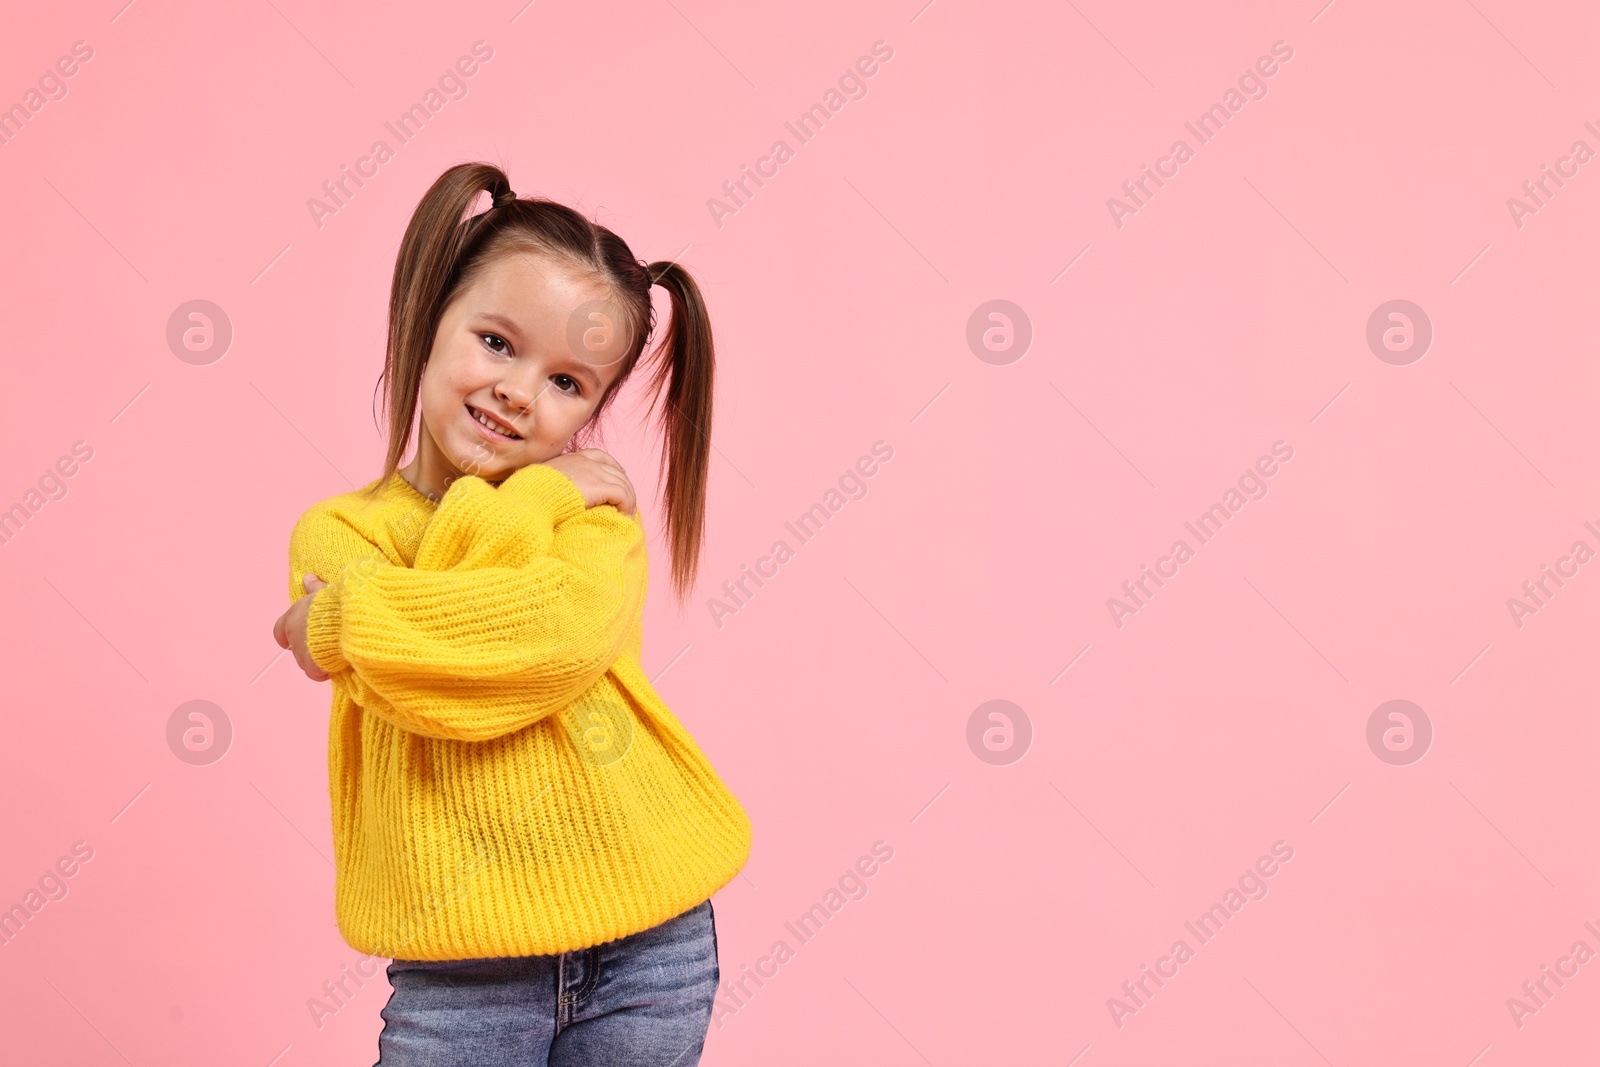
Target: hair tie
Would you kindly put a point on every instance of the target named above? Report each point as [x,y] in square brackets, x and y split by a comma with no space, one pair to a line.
[509,196]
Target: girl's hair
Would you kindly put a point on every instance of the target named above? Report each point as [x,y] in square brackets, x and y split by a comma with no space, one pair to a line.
[444,250]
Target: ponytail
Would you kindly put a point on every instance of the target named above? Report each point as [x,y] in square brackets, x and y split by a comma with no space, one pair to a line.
[686,365]
[425,275]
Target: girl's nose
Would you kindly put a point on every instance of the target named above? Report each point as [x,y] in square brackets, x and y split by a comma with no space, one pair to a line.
[515,397]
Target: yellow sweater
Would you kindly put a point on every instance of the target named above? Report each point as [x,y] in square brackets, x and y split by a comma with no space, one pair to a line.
[505,781]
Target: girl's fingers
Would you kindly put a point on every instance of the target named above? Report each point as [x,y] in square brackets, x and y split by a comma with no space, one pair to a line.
[309,666]
[609,484]
[626,502]
[624,493]
[605,459]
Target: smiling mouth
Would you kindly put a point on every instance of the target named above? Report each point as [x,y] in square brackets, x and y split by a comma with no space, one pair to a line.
[492,426]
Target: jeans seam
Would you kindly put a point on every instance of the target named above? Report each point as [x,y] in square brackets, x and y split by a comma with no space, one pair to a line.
[388,972]
[573,999]
[716,961]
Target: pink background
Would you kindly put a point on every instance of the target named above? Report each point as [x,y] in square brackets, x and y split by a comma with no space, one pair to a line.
[1227,314]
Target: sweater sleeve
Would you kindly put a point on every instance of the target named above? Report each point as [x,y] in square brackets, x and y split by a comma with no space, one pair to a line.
[519,600]
[326,542]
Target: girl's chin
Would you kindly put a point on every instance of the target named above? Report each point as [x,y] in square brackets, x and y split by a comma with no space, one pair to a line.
[490,469]
[494,469]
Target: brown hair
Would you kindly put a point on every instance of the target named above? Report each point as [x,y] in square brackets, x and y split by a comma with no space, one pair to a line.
[444,250]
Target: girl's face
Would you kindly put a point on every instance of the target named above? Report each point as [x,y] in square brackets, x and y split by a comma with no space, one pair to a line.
[531,344]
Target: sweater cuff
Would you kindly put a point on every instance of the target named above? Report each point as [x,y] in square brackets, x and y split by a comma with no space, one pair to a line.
[545,491]
[322,627]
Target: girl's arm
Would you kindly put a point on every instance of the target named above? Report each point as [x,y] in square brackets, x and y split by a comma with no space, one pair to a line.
[519,600]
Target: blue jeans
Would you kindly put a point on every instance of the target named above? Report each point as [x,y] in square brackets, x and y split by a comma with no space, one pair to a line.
[640,1000]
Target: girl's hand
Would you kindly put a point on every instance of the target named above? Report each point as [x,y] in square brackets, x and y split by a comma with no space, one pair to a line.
[290,630]
[598,477]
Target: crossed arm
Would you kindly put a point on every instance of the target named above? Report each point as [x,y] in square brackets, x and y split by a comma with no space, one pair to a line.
[518,600]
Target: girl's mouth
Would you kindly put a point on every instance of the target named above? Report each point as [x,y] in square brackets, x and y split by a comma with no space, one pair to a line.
[488,426]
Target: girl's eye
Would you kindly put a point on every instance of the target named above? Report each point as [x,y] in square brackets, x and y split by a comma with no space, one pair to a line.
[559,378]
[490,338]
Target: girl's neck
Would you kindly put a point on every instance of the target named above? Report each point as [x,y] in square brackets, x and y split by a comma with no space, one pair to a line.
[428,472]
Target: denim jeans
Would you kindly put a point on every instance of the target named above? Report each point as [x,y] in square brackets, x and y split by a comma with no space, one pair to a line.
[638,1000]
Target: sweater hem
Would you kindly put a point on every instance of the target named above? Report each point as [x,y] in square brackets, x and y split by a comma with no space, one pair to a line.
[522,941]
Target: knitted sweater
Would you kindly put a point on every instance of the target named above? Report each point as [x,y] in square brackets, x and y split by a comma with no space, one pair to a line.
[504,779]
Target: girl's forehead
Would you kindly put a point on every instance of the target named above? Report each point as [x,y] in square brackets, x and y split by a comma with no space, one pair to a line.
[534,285]
[524,265]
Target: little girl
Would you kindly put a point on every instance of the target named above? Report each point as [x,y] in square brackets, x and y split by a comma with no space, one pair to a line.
[519,823]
